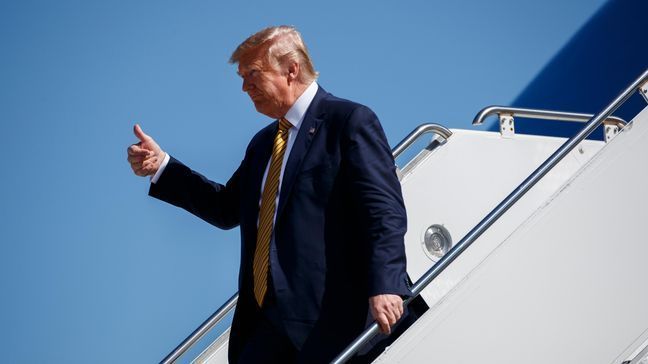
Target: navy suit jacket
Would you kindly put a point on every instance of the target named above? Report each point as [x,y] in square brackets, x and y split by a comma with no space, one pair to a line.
[338,234]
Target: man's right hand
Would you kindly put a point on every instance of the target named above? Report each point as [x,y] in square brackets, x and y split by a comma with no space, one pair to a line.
[146,156]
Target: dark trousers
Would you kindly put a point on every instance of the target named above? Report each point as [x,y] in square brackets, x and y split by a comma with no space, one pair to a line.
[268,343]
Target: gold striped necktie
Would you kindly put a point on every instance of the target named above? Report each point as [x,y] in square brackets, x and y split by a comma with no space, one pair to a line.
[267,212]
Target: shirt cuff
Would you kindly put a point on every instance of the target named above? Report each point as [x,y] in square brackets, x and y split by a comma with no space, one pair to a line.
[160,170]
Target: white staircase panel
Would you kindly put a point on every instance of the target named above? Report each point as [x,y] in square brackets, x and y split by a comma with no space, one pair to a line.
[460,182]
[568,286]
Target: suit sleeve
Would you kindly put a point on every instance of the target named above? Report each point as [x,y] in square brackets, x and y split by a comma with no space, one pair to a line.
[213,202]
[377,192]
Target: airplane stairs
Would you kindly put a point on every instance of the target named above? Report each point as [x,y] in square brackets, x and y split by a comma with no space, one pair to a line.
[559,276]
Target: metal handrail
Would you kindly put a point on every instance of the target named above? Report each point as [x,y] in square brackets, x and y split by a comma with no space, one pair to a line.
[541,114]
[214,319]
[494,215]
[420,130]
[217,316]
[643,354]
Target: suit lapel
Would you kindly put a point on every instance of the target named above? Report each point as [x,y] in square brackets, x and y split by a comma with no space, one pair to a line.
[258,163]
[308,130]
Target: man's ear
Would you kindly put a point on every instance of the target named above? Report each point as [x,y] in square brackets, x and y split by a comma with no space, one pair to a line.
[293,71]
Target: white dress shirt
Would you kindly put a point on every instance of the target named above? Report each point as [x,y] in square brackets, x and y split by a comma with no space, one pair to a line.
[295,116]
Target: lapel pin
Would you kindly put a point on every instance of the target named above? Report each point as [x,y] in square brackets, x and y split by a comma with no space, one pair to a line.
[311,131]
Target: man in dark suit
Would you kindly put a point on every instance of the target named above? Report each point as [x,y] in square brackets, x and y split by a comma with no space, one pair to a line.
[319,207]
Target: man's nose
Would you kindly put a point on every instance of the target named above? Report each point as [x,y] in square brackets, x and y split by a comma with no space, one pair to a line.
[247,86]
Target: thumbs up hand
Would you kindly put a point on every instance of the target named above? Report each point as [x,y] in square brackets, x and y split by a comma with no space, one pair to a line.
[146,156]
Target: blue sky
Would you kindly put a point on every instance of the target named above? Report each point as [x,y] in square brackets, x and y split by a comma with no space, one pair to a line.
[93,270]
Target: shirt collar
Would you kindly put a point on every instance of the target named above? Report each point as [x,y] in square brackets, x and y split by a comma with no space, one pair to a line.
[295,114]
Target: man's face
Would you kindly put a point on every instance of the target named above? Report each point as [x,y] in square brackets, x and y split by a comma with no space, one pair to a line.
[268,88]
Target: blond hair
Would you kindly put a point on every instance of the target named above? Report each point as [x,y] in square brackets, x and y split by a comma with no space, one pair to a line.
[284,44]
